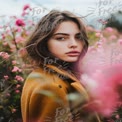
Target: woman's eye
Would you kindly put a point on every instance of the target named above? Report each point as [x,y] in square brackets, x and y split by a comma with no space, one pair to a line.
[60,38]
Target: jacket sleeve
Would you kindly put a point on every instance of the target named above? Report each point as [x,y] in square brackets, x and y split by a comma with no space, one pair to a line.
[80,105]
[43,102]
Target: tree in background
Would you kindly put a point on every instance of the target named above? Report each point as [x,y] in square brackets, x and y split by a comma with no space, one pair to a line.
[115,21]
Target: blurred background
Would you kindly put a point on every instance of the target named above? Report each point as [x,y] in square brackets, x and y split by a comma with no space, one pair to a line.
[91,10]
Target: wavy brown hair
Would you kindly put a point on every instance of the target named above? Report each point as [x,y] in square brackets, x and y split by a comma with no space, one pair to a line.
[37,44]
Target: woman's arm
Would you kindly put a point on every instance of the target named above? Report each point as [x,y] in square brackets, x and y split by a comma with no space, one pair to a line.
[45,104]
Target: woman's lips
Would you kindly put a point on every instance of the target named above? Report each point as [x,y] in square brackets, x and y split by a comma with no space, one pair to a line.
[73,53]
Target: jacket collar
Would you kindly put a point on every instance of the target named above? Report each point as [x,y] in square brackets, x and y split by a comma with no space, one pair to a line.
[76,83]
[63,72]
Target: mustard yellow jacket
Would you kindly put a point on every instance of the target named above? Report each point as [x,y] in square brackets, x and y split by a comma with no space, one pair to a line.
[54,95]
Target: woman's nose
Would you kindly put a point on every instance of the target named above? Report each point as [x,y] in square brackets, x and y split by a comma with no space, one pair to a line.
[72,42]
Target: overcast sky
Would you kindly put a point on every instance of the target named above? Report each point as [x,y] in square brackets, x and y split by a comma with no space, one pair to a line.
[91,9]
[10,7]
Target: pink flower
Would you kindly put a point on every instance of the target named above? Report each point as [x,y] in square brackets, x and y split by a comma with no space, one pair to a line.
[8,95]
[26,7]
[19,78]
[20,22]
[6,77]
[98,34]
[15,69]
[109,29]
[5,43]
[14,62]
[103,76]
[19,39]
[4,55]
[3,36]
[17,91]
[27,32]
[120,41]
[24,13]
[18,29]
[18,86]
[13,110]
[117,116]
[102,21]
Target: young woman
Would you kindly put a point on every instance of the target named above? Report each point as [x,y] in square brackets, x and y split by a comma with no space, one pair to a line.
[52,92]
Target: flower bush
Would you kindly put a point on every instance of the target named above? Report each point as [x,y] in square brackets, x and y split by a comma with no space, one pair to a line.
[99,40]
[14,34]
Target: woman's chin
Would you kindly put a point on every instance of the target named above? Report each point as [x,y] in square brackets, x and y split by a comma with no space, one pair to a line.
[72,59]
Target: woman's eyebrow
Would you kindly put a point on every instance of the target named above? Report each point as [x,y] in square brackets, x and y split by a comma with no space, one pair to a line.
[65,34]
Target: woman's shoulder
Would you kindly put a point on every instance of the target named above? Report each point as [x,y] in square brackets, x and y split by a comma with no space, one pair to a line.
[39,81]
[40,78]
[37,74]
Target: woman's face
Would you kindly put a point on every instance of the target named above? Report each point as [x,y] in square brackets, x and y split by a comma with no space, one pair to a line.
[66,43]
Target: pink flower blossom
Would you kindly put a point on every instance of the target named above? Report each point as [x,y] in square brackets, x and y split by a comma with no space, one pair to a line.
[6,77]
[3,36]
[19,29]
[19,78]
[98,34]
[5,43]
[24,13]
[15,69]
[8,95]
[27,32]
[109,29]
[26,7]
[117,116]
[103,76]
[19,39]
[17,91]
[14,62]
[13,110]
[120,41]
[102,21]
[4,55]
[18,86]
[20,22]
